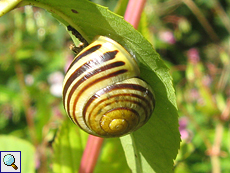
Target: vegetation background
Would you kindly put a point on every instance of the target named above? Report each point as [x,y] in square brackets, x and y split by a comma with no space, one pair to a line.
[193,38]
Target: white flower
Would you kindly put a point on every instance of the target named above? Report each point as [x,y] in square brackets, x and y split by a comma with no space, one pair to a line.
[56,79]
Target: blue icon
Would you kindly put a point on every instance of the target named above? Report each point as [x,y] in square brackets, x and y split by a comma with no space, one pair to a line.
[9,160]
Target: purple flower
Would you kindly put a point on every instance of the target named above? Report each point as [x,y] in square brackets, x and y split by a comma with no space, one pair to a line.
[193,56]
[184,132]
[207,80]
[194,94]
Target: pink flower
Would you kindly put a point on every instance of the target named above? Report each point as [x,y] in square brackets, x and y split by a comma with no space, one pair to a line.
[184,132]
[167,36]
[193,56]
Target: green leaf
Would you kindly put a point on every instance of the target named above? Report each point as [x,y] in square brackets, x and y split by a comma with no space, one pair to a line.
[11,143]
[155,145]
[121,7]
[112,158]
[68,148]
[143,27]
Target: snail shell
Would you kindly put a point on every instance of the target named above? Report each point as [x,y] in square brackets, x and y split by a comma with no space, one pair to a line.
[102,92]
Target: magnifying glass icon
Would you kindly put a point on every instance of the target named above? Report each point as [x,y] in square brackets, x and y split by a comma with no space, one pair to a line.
[9,160]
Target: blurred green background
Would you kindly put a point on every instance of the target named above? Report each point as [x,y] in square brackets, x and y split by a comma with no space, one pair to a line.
[192,37]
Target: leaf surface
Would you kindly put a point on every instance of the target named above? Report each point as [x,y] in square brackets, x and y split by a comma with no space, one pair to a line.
[112,158]
[11,143]
[68,148]
[153,147]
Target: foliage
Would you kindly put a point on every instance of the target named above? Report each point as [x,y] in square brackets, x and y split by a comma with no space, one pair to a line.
[154,71]
[30,107]
[28,150]
[191,36]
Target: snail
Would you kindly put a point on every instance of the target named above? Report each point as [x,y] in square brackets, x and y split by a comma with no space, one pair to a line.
[102,91]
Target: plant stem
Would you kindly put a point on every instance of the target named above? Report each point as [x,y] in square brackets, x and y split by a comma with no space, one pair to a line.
[133,12]
[198,128]
[215,150]
[29,117]
[203,21]
[222,14]
[225,116]
[26,102]
[26,99]
[90,155]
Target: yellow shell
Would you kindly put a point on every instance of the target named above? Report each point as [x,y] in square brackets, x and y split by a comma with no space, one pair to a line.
[102,92]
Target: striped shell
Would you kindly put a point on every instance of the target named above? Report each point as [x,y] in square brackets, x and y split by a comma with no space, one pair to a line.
[102,93]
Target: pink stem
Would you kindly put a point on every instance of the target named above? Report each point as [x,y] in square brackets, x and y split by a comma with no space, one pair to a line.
[93,146]
[90,155]
[133,12]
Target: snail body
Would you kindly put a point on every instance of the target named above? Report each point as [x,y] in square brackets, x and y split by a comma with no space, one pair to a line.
[102,91]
